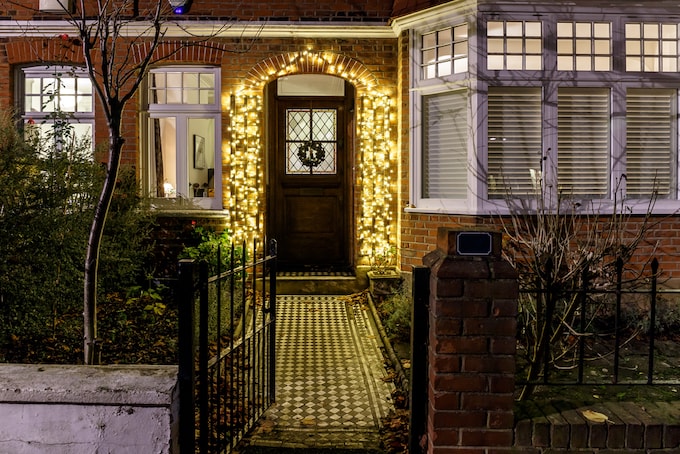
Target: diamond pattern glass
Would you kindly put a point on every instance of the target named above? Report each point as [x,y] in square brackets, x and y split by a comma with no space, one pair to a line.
[311,141]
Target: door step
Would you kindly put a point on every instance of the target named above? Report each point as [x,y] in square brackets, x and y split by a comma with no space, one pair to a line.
[320,282]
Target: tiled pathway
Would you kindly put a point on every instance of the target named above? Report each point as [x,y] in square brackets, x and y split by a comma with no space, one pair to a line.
[331,388]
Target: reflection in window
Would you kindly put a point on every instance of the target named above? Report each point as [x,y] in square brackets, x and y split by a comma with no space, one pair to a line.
[186,87]
[652,47]
[444,52]
[183,153]
[584,46]
[514,45]
[58,105]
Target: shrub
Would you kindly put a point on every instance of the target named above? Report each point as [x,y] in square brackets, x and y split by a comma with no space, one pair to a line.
[47,195]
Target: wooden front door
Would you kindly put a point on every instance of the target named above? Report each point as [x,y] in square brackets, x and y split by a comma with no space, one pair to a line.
[309,181]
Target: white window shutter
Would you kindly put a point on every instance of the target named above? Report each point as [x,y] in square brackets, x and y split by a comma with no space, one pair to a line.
[583,142]
[445,146]
[649,142]
[515,141]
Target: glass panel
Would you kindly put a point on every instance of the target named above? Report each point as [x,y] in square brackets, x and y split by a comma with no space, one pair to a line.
[565,63]
[429,40]
[444,69]
[534,62]
[429,56]
[633,64]
[163,157]
[444,36]
[460,32]
[583,63]
[601,30]
[633,31]
[650,141]
[583,46]
[602,64]
[583,29]
[533,29]
[494,28]
[311,141]
[514,45]
[515,142]
[533,46]
[564,29]
[460,65]
[514,62]
[669,31]
[495,62]
[201,157]
[495,46]
[513,29]
[633,48]
[651,31]
[565,46]
[601,47]
[670,64]
[445,146]
[583,141]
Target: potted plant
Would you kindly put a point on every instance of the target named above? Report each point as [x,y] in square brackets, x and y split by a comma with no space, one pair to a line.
[383,277]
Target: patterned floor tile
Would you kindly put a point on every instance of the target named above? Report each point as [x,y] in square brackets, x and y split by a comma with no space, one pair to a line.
[332,387]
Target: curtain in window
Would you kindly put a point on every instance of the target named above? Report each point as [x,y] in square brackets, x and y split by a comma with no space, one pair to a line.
[445,146]
[649,142]
[515,147]
[583,142]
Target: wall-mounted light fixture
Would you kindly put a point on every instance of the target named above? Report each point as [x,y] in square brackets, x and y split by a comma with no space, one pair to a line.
[180,6]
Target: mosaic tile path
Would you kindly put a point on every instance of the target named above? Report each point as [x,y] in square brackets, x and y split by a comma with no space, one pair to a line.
[331,386]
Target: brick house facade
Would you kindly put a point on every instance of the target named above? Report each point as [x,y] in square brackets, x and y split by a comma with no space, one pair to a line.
[421,98]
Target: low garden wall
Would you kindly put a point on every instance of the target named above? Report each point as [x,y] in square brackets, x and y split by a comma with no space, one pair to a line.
[87,409]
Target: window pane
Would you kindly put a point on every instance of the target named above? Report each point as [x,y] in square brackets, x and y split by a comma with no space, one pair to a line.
[515,142]
[201,157]
[311,141]
[444,156]
[583,142]
[163,157]
[650,141]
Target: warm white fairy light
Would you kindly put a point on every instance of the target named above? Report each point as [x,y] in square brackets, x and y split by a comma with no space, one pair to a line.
[245,168]
[376,154]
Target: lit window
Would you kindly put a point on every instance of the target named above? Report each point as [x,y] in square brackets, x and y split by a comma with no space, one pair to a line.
[652,47]
[584,46]
[183,152]
[515,163]
[444,52]
[514,45]
[56,98]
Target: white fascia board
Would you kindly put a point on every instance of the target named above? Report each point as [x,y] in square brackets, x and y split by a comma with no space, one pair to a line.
[432,16]
[206,29]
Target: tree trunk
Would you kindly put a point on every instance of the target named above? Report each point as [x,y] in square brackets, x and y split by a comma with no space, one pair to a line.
[91,346]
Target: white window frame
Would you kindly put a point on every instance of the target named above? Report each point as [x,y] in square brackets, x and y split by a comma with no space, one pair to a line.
[422,87]
[54,72]
[182,113]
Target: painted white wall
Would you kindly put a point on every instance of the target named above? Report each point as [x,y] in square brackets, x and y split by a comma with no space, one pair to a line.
[88,409]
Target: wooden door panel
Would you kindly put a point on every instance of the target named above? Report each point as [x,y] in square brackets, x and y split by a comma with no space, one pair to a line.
[313,230]
[309,209]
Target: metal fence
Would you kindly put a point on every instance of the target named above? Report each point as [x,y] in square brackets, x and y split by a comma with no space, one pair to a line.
[601,333]
[226,348]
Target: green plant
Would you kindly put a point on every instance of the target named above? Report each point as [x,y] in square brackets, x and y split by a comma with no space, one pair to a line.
[47,192]
[382,260]
[215,248]
[396,314]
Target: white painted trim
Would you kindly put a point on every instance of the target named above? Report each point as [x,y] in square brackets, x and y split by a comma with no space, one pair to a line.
[207,29]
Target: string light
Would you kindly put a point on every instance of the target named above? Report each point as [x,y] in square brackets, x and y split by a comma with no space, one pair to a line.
[376,155]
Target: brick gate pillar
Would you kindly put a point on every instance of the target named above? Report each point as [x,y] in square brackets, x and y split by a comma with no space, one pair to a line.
[471,355]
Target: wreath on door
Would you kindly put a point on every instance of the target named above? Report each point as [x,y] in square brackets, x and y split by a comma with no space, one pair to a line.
[311,153]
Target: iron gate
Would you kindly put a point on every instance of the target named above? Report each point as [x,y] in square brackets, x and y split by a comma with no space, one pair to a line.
[226,348]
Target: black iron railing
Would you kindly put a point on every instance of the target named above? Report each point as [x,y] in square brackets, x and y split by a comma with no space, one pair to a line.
[227,348]
[595,334]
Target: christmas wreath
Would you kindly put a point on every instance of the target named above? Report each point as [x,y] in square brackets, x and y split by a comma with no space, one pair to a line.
[311,153]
